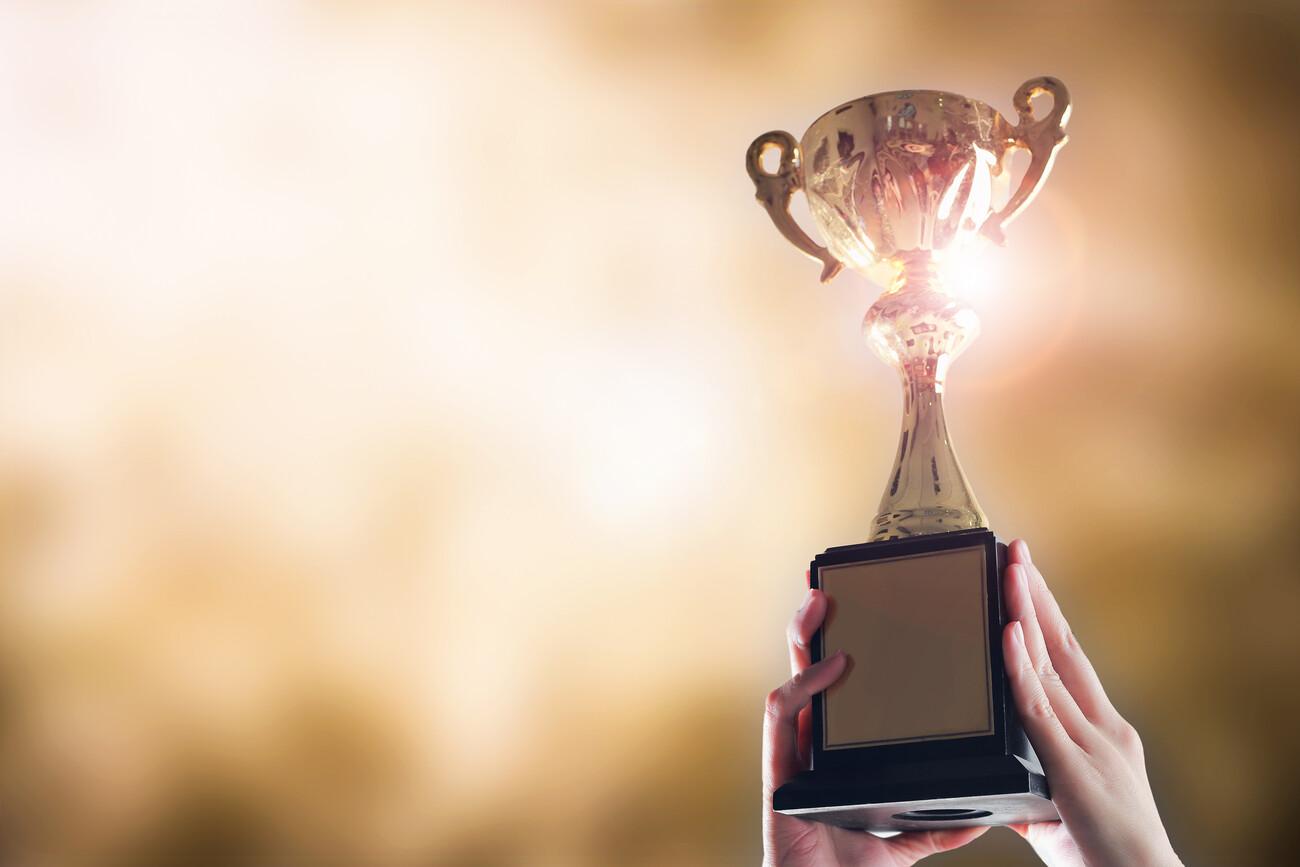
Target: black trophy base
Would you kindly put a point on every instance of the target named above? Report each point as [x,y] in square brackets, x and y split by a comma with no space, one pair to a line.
[921,796]
[921,732]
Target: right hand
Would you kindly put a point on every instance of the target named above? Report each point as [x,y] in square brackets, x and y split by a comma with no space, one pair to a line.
[1092,756]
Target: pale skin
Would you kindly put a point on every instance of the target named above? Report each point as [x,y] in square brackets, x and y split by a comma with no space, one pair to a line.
[1092,756]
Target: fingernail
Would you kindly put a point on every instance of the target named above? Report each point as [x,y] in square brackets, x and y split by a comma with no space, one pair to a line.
[807,599]
[1024,549]
[1018,633]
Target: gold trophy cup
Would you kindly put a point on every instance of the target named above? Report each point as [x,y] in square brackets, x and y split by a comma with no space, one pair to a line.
[921,732]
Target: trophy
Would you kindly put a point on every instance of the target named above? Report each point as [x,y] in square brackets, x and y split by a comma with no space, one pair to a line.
[921,730]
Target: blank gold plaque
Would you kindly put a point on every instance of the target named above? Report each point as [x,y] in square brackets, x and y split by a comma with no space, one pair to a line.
[916,631]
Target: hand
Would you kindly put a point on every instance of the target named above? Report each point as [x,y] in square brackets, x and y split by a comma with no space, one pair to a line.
[1092,756]
[789,841]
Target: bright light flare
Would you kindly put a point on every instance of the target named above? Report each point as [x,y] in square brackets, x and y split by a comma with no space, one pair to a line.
[648,446]
[976,274]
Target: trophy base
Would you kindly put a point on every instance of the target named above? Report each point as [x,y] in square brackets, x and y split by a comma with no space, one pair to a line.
[921,730]
[921,796]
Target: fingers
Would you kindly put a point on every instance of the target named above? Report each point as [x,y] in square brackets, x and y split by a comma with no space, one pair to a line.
[1020,607]
[1050,739]
[780,723]
[1067,656]
[915,845]
[806,621]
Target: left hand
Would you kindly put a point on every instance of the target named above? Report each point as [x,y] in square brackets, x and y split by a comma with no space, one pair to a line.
[793,842]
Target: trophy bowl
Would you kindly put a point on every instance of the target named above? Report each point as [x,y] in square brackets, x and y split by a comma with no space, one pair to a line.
[907,174]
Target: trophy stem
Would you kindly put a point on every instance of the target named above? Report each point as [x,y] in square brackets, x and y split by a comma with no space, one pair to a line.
[918,329]
[916,272]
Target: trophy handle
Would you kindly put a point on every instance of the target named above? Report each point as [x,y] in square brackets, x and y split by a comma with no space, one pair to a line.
[774,190]
[1042,137]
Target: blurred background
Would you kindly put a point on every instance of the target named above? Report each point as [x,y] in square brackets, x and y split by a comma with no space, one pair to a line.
[413,435]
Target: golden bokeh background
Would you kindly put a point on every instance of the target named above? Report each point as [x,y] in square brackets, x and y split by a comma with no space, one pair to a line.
[413,435]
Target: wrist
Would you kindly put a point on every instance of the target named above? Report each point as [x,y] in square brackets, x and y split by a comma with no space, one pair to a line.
[1160,856]
[1131,848]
